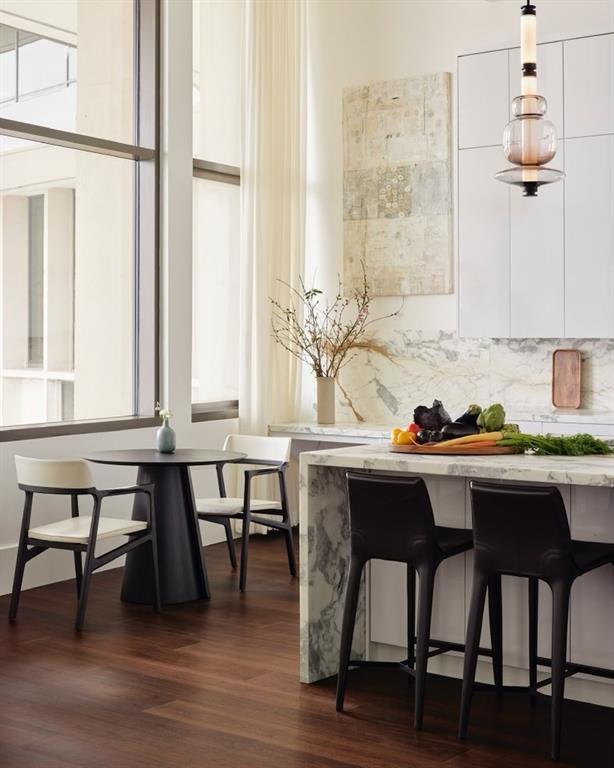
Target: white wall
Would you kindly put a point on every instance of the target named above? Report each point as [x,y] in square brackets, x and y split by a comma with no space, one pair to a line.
[354,43]
[176,327]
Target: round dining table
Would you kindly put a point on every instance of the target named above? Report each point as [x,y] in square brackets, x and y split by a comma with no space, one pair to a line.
[183,573]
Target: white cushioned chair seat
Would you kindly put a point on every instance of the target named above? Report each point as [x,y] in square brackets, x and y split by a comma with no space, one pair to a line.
[77,529]
[232,505]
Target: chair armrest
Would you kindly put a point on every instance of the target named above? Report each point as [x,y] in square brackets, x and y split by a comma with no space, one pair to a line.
[146,488]
[249,473]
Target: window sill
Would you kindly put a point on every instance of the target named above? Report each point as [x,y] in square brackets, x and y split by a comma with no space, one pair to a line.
[224,409]
[55,429]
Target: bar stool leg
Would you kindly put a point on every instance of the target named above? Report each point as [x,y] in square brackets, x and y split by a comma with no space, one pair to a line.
[347,628]
[495,616]
[472,643]
[411,616]
[560,616]
[533,618]
[425,607]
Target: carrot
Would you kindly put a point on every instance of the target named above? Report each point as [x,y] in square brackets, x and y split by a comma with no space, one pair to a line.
[484,437]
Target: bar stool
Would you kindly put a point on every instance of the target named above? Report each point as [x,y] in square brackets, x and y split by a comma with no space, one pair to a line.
[391,519]
[523,531]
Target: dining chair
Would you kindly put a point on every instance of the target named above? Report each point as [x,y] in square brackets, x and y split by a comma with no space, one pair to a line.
[78,533]
[268,456]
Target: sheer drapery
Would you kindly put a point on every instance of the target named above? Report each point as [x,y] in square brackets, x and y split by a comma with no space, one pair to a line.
[272,205]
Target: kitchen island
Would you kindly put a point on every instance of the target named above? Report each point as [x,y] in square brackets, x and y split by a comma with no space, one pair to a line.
[587,487]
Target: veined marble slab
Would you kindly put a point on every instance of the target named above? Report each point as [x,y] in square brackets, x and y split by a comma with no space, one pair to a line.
[566,470]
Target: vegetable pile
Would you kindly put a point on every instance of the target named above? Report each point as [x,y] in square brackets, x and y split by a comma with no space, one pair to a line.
[487,428]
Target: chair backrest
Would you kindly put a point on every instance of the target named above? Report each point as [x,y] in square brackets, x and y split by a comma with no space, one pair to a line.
[520,529]
[47,473]
[391,518]
[273,449]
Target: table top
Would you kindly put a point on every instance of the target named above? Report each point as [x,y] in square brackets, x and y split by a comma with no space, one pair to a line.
[150,456]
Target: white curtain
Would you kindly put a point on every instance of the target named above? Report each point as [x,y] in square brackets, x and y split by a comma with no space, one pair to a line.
[272,204]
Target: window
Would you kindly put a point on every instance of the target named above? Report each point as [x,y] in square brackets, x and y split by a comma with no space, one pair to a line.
[78,216]
[217,34]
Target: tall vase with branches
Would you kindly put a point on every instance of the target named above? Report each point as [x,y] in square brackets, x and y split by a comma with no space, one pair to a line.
[324,334]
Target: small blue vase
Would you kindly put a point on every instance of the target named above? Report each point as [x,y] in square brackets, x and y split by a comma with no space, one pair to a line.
[165,438]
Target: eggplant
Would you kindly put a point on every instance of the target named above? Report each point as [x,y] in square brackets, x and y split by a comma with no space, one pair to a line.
[432,418]
[471,415]
[429,436]
[459,429]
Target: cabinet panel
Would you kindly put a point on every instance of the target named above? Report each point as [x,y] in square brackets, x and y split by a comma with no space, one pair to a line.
[537,274]
[483,244]
[483,99]
[589,237]
[589,86]
[549,80]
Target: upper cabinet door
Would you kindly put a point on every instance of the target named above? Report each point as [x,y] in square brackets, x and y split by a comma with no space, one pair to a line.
[589,237]
[483,244]
[549,80]
[483,99]
[589,86]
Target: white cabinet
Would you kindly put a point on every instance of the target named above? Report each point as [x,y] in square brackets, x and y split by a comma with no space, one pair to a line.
[483,244]
[589,86]
[483,99]
[537,263]
[539,267]
[589,237]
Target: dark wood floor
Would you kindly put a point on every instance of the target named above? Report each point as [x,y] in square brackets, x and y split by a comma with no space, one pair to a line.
[216,686]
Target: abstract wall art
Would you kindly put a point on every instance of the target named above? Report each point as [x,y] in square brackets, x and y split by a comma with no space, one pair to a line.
[397,191]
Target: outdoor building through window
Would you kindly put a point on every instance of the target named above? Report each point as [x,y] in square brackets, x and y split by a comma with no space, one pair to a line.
[77,225]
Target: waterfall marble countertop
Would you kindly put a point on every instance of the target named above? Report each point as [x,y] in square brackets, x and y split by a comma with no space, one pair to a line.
[566,470]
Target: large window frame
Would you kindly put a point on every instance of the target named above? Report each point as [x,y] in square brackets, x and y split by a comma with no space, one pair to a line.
[146,246]
[222,174]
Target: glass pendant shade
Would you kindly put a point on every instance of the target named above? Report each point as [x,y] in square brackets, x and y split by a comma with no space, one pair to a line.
[529,140]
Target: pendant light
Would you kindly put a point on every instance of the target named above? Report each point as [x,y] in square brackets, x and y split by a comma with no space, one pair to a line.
[529,140]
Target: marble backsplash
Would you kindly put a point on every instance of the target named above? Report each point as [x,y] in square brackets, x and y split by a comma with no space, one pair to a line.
[402,368]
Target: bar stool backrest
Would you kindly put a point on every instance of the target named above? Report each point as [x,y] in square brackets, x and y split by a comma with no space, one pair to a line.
[52,475]
[520,529]
[391,518]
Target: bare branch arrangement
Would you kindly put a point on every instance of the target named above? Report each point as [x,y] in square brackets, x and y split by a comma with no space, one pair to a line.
[320,334]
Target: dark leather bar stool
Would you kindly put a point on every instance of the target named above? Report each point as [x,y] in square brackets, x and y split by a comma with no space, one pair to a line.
[391,519]
[523,531]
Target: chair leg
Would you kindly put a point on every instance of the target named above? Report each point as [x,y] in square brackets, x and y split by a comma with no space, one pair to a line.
[290,550]
[495,616]
[425,608]
[244,551]
[157,602]
[411,616]
[78,572]
[85,587]
[20,566]
[347,627]
[533,619]
[472,644]
[230,542]
[560,617]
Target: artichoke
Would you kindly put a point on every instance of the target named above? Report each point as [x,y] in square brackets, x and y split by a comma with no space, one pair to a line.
[492,418]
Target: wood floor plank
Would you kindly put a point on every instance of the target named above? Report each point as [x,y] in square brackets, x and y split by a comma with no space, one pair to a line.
[215,685]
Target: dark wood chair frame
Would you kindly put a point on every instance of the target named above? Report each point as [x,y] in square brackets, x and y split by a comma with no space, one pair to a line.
[29,547]
[284,525]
